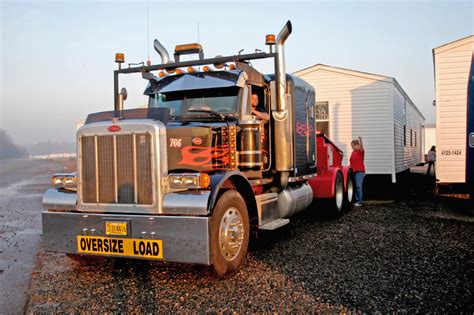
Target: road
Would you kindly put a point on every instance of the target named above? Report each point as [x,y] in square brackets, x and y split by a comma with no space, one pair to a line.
[22,184]
[411,257]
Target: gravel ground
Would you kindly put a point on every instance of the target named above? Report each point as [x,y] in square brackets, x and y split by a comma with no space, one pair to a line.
[409,257]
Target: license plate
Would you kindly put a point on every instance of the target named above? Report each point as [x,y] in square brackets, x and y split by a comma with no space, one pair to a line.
[116,228]
[131,247]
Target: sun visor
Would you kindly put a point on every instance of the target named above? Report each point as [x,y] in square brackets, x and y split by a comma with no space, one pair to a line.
[194,81]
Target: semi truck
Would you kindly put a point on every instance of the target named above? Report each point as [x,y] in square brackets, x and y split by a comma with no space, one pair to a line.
[220,153]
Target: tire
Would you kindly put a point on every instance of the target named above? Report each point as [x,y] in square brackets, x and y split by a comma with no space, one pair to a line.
[349,193]
[229,248]
[337,202]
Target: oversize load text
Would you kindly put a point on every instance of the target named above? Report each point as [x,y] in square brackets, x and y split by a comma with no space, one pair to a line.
[120,246]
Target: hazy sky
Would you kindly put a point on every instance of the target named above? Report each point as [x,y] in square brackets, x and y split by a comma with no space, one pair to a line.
[57,57]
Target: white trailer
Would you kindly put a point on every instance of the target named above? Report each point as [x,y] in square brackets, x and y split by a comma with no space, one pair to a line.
[453,72]
[354,103]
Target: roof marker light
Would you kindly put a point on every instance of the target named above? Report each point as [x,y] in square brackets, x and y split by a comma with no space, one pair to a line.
[119,58]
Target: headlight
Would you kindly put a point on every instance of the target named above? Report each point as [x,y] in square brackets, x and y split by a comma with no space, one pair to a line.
[64,180]
[189,180]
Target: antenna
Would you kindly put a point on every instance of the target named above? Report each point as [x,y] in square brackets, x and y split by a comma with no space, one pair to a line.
[198,32]
[148,32]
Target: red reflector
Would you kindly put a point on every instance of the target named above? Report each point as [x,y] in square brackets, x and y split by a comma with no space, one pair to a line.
[114,128]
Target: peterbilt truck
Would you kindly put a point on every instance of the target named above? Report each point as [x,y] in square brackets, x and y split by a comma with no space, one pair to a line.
[194,175]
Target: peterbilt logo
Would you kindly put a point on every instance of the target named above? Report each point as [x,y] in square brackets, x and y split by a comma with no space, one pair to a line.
[114,128]
[196,140]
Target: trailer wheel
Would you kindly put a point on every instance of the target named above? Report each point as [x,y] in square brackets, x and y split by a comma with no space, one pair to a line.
[337,202]
[349,195]
[230,230]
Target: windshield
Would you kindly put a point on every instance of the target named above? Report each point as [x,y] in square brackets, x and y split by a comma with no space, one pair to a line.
[222,100]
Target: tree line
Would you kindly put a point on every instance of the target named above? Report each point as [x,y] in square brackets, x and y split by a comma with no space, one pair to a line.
[10,150]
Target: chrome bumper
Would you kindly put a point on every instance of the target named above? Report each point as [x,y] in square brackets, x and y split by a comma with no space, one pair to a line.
[184,238]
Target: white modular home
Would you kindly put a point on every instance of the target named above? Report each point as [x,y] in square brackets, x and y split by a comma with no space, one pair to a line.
[352,103]
[454,84]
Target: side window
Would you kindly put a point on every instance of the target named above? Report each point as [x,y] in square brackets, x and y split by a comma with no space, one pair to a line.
[404,135]
[322,117]
[261,99]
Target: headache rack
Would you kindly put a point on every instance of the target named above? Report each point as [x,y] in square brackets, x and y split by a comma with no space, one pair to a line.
[218,60]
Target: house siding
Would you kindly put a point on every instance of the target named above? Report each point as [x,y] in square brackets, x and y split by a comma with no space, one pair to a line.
[357,107]
[368,105]
[452,67]
[408,144]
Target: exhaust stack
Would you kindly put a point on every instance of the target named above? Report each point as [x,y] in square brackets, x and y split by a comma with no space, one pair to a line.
[283,130]
[280,68]
[161,50]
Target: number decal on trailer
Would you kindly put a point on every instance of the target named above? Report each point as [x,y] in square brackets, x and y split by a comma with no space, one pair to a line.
[175,142]
[451,152]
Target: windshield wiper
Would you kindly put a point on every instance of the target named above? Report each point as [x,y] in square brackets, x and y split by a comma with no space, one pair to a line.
[208,110]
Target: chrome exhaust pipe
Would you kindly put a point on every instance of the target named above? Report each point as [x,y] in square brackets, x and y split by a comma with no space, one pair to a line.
[161,50]
[280,67]
[283,129]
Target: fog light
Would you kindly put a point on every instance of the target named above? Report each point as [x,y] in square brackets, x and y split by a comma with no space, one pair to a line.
[64,180]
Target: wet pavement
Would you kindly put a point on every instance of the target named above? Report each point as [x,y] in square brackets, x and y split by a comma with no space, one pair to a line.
[22,184]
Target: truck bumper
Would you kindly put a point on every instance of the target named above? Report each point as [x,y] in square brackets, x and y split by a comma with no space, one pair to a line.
[183,238]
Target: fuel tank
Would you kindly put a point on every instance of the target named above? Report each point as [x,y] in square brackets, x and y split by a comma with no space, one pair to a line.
[197,146]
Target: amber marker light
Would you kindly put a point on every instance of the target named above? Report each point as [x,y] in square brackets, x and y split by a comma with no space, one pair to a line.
[191,69]
[206,68]
[119,58]
[179,71]
[231,67]
[205,180]
[270,39]
[187,47]
[161,74]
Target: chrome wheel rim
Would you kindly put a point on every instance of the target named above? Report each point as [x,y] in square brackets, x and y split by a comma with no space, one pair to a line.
[350,190]
[231,234]
[339,194]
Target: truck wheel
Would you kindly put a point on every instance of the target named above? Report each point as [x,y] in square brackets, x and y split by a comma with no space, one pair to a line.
[349,195]
[337,202]
[230,230]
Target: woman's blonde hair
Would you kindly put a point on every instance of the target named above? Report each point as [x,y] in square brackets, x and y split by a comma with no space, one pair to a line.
[354,142]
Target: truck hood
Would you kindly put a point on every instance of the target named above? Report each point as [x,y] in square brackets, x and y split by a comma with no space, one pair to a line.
[195,146]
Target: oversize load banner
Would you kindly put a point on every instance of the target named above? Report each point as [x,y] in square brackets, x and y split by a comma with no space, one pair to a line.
[120,246]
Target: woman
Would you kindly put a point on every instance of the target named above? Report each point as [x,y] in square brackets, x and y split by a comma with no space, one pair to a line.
[357,164]
[431,160]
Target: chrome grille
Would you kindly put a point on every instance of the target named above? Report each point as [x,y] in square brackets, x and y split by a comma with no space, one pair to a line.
[117,169]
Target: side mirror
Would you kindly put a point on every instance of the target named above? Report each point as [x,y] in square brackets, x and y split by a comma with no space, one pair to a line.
[124,93]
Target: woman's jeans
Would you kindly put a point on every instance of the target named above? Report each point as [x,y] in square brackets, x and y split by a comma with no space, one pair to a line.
[359,180]
[431,163]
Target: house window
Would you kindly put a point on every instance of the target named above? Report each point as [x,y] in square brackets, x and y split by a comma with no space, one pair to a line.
[405,135]
[411,137]
[322,117]
[416,143]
